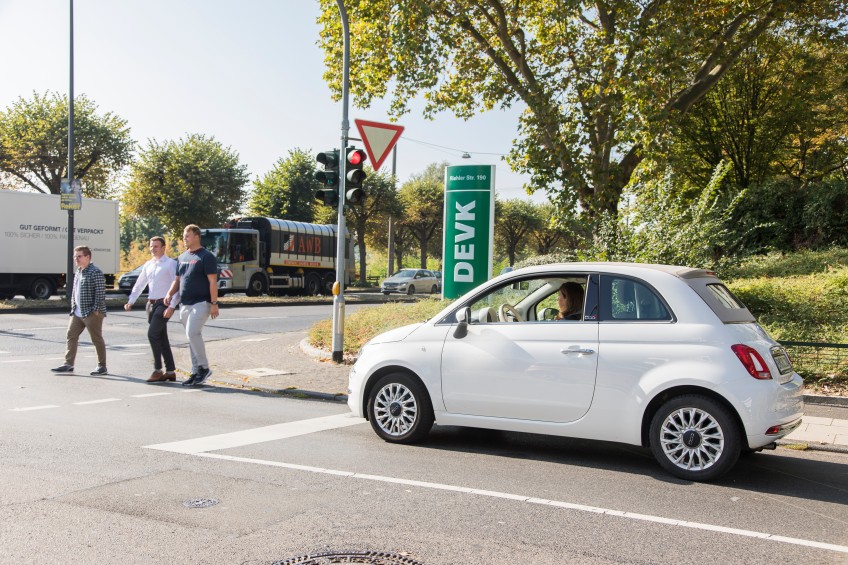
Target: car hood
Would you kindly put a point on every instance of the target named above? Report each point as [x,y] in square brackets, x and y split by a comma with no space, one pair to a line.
[397,334]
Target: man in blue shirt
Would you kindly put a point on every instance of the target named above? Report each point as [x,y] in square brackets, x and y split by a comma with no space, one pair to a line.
[197,282]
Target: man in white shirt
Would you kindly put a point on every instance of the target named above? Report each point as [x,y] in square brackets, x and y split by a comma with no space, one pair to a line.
[158,274]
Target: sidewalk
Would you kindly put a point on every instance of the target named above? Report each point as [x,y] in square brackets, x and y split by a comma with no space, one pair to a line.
[285,364]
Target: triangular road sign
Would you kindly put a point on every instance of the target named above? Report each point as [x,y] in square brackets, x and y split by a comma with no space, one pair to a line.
[379,139]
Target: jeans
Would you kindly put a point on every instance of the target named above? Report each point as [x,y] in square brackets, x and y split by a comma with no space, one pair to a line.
[157,335]
[193,317]
[94,324]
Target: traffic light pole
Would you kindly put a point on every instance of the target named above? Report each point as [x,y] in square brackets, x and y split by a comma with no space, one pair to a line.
[338,298]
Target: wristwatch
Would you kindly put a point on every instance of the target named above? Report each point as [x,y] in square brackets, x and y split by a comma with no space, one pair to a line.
[215,303]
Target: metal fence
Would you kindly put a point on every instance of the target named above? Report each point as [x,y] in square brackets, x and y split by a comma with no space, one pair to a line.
[818,359]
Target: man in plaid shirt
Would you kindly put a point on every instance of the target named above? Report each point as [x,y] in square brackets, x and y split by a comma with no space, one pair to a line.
[88,308]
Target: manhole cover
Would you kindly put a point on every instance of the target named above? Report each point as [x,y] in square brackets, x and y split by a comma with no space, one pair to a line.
[200,502]
[371,557]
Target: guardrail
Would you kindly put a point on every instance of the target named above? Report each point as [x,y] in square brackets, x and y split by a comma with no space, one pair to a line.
[820,359]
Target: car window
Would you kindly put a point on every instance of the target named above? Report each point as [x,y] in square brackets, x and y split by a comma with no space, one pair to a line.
[724,296]
[628,299]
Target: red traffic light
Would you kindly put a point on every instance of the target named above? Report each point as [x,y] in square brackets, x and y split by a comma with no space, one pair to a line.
[356,157]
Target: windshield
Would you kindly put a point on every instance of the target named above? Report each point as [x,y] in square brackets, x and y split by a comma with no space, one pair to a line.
[405,274]
[216,244]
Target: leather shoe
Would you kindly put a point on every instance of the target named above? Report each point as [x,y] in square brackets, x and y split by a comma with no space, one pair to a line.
[160,377]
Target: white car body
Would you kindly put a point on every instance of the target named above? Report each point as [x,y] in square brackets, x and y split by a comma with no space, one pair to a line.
[597,378]
[411,281]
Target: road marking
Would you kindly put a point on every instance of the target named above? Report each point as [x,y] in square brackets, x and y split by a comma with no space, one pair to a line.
[259,435]
[33,329]
[27,409]
[201,447]
[149,394]
[17,361]
[255,339]
[529,500]
[131,354]
[101,401]
[219,318]
[262,372]
[129,345]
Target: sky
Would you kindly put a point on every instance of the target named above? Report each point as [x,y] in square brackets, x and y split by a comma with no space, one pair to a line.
[248,72]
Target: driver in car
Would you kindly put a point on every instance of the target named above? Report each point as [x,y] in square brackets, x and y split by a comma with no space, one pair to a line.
[570,300]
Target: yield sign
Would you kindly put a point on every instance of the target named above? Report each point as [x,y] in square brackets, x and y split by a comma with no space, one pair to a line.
[378,139]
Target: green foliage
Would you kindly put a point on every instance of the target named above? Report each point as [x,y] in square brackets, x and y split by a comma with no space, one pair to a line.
[371,215]
[559,257]
[779,264]
[369,322]
[673,223]
[799,308]
[600,80]
[286,191]
[195,180]
[515,221]
[34,145]
[422,199]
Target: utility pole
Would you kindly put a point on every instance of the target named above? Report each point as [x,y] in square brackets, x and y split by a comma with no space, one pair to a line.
[341,247]
[69,279]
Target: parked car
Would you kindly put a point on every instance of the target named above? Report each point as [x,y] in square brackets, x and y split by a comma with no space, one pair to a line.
[664,357]
[410,281]
[127,281]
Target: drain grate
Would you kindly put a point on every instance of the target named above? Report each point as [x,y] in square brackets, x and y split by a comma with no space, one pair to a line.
[368,557]
[200,502]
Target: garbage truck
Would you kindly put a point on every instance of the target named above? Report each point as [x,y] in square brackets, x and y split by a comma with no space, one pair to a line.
[258,255]
[34,241]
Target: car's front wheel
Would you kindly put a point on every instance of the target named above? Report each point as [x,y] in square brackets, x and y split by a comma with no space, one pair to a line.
[695,438]
[399,409]
[410,290]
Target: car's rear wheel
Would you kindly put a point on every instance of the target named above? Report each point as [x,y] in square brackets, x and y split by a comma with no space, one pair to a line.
[410,290]
[399,409]
[695,438]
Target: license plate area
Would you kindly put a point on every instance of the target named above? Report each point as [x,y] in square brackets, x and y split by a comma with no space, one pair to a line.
[781,359]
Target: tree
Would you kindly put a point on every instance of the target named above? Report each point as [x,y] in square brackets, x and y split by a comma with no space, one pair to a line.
[557,230]
[600,80]
[780,110]
[34,145]
[288,190]
[371,214]
[516,220]
[423,201]
[195,180]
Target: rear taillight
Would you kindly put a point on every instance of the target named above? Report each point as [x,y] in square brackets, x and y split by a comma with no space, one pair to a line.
[752,361]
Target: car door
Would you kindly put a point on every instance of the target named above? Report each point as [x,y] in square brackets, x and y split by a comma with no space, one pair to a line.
[528,370]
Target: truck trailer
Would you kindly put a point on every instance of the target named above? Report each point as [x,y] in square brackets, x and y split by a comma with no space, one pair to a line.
[34,241]
[265,255]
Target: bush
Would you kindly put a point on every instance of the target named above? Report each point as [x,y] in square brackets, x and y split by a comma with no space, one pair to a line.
[364,324]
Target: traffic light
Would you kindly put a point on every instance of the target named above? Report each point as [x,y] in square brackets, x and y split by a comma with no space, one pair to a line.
[354,175]
[328,177]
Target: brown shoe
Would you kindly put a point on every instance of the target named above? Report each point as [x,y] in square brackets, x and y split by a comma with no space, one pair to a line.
[170,376]
[157,376]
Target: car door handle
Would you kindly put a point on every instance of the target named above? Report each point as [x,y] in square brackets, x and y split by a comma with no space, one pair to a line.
[582,351]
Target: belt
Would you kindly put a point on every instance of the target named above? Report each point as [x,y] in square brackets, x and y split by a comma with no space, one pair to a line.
[155,301]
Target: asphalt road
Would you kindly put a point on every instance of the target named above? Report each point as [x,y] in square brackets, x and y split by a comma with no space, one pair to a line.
[97,470]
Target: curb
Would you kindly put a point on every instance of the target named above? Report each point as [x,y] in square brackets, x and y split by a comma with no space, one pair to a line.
[821,400]
[828,447]
[290,392]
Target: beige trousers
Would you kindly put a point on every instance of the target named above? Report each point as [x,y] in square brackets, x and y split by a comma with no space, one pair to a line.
[94,325]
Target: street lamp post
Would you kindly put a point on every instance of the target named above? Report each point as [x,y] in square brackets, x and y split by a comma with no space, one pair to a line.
[69,279]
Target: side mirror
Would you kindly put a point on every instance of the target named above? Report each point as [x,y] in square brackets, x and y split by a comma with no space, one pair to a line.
[549,313]
[463,317]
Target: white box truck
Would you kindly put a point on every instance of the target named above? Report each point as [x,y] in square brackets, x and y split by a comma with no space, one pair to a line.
[34,241]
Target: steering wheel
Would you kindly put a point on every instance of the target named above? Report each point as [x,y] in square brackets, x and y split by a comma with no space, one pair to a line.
[508,313]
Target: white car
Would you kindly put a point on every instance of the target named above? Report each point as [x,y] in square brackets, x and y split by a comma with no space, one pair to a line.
[410,281]
[661,356]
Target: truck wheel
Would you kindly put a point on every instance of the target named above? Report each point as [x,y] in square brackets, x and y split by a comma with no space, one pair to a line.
[329,280]
[41,289]
[256,286]
[313,284]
